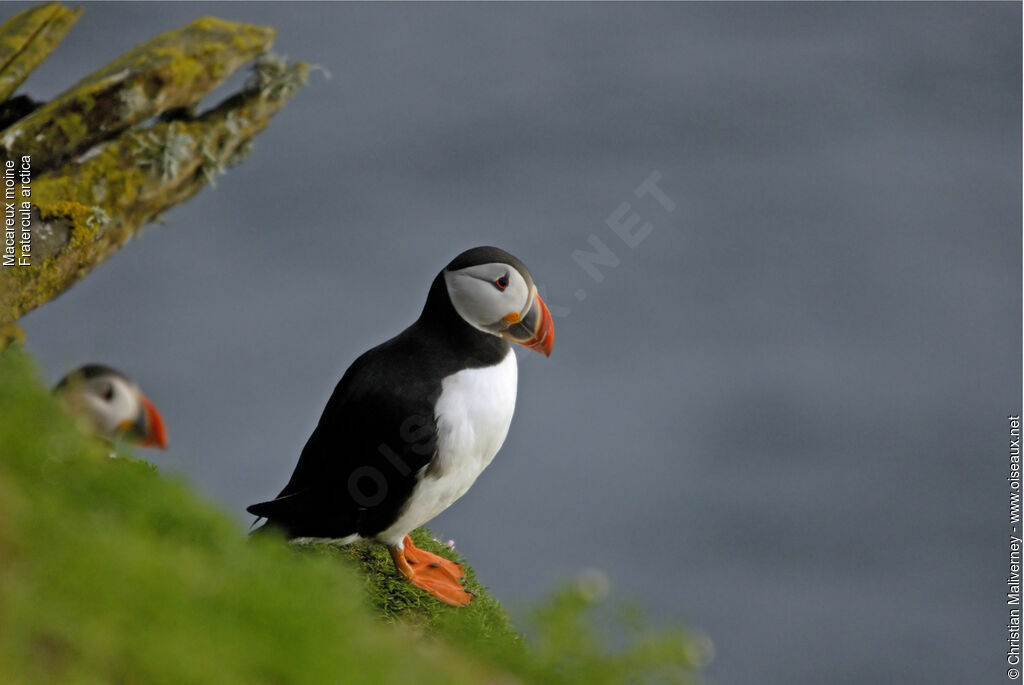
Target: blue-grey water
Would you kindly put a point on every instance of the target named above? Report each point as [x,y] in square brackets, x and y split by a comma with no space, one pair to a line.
[779,418]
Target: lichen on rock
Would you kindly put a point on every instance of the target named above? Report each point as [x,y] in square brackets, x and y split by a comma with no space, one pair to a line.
[27,38]
[101,172]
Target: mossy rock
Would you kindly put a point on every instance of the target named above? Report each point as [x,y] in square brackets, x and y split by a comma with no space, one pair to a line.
[113,573]
[397,601]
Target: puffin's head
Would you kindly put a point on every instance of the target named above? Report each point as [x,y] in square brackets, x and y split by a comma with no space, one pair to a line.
[111,405]
[494,292]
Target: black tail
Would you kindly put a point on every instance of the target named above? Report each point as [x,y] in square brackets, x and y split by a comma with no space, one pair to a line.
[301,514]
[268,527]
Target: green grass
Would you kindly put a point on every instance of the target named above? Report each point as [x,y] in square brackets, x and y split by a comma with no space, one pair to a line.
[113,573]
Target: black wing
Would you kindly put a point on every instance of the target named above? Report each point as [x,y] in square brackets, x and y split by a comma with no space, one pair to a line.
[361,463]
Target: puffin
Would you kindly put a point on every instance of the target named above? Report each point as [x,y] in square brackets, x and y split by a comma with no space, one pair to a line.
[414,421]
[111,406]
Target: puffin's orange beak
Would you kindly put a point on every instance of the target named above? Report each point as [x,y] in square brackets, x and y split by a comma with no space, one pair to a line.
[155,434]
[534,330]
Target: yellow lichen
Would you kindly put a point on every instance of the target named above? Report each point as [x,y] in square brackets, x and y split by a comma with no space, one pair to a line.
[9,333]
[27,38]
[175,69]
[89,207]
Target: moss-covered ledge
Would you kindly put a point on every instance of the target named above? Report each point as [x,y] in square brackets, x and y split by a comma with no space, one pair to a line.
[111,572]
[396,600]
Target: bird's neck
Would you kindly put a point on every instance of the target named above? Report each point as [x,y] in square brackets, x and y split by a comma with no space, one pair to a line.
[439,319]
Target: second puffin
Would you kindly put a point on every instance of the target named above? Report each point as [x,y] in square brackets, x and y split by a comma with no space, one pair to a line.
[414,421]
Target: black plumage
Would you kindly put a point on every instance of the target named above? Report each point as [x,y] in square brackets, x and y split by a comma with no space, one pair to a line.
[378,431]
[88,372]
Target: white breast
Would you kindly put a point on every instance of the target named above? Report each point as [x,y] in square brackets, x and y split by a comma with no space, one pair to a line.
[473,414]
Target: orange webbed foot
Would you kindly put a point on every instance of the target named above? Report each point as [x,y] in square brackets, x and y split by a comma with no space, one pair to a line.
[417,556]
[429,572]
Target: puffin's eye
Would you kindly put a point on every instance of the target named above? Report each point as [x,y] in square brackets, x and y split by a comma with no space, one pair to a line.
[107,392]
[501,283]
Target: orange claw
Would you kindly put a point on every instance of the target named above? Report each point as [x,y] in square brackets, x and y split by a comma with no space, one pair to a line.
[436,575]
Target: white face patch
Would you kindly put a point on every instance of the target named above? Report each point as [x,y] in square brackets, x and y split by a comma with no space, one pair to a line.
[105,402]
[476,293]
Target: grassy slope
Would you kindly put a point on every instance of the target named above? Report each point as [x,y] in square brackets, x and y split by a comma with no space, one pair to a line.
[110,572]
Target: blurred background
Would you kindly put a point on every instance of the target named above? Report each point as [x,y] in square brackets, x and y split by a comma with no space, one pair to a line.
[780,418]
